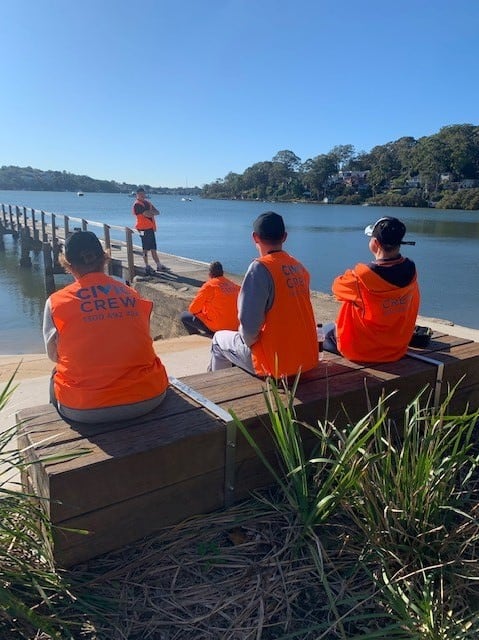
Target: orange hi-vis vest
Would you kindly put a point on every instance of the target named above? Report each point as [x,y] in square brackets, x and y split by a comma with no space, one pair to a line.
[105,352]
[287,342]
[216,304]
[142,222]
[377,326]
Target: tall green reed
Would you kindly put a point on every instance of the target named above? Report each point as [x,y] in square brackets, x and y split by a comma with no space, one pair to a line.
[417,509]
[31,589]
[313,481]
[404,494]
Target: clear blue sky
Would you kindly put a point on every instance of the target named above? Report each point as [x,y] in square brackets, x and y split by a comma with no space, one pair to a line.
[175,92]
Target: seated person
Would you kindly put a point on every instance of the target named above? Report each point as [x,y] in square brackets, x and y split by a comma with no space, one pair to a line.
[277,333]
[97,331]
[215,306]
[380,300]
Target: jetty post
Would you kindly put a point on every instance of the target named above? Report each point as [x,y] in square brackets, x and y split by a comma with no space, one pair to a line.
[44,227]
[12,224]
[107,240]
[3,228]
[129,253]
[37,243]
[48,266]
[25,247]
[25,240]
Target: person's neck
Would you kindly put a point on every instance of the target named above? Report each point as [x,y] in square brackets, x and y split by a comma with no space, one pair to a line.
[81,273]
[386,255]
[264,249]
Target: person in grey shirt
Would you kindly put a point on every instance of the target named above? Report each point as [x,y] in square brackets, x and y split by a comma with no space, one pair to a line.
[256,300]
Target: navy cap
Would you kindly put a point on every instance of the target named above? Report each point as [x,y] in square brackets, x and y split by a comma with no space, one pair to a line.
[269,226]
[83,248]
[388,231]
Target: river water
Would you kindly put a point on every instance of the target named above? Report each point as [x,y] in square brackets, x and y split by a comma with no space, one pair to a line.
[327,238]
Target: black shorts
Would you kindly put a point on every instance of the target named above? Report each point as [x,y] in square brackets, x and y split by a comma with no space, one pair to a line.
[148,239]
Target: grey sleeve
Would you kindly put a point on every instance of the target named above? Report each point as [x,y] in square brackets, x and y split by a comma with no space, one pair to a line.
[49,333]
[255,299]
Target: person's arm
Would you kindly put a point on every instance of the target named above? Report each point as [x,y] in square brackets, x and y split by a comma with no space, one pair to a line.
[346,288]
[146,209]
[255,299]
[152,211]
[50,334]
[198,302]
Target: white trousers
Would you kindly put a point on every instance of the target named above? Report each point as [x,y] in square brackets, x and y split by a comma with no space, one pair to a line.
[228,349]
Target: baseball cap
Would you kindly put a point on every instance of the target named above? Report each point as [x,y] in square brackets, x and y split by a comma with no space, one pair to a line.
[140,190]
[83,248]
[269,226]
[388,231]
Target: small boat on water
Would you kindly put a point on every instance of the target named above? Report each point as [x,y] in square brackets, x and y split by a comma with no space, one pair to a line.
[80,193]
[186,200]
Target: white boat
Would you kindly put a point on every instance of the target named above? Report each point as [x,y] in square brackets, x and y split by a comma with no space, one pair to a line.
[80,193]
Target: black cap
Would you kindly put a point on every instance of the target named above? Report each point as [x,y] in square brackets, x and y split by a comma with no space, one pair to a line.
[388,231]
[140,190]
[269,226]
[83,248]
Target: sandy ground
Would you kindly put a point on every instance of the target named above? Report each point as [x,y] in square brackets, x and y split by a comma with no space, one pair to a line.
[171,352]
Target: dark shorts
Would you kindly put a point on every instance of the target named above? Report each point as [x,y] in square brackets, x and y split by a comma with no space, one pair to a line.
[148,239]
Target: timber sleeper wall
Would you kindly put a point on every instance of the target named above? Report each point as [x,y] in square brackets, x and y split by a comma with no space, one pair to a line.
[125,481]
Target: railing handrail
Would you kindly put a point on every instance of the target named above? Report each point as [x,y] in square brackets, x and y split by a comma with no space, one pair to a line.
[90,222]
[126,230]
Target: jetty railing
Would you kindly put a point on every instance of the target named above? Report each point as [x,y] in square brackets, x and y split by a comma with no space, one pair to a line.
[39,229]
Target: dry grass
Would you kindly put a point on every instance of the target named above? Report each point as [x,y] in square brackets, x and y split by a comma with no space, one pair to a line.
[241,574]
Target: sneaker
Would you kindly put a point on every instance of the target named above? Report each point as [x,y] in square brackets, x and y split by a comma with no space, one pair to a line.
[148,270]
[161,267]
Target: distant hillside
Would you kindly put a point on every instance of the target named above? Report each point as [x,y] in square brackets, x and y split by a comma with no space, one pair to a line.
[29,179]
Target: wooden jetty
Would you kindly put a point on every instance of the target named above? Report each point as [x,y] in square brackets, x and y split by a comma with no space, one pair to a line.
[40,230]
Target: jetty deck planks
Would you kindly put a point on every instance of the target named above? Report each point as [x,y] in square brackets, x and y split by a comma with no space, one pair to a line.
[123,481]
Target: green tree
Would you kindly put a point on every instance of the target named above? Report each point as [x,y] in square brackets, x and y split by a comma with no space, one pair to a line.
[316,173]
[289,159]
[342,154]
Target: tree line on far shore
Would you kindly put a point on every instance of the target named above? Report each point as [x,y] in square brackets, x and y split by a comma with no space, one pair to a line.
[29,179]
[440,170]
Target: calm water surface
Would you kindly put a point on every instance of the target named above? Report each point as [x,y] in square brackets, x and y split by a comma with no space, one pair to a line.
[327,238]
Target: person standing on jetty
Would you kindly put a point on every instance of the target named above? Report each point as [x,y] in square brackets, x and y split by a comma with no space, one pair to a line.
[215,306]
[97,331]
[277,333]
[380,300]
[145,212]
